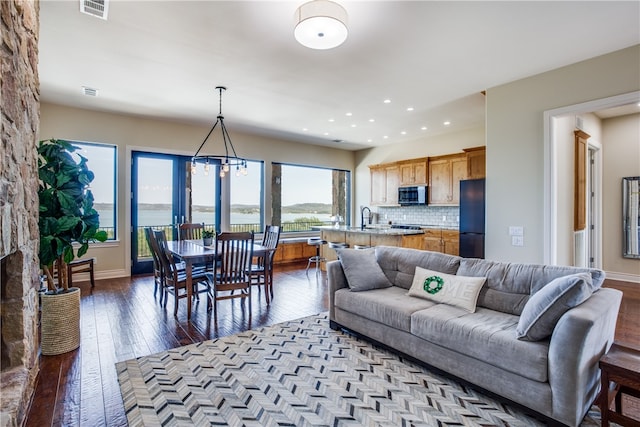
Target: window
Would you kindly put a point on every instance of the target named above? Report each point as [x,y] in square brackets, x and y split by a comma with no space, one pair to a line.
[101,160]
[246,199]
[303,197]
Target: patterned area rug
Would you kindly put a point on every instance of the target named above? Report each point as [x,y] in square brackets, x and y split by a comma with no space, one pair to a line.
[300,373]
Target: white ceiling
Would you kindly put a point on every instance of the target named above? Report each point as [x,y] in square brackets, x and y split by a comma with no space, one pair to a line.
[163,59]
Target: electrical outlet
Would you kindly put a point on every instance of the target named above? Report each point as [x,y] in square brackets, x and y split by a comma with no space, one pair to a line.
[517,241]
[444,218]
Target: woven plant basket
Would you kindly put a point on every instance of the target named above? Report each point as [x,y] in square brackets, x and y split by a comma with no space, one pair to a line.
[60,322]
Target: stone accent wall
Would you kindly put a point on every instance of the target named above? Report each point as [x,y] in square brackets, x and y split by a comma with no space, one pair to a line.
[19,126]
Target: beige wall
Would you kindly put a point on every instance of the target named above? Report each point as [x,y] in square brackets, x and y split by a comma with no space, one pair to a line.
[621,157]
[515,143]
[132,133]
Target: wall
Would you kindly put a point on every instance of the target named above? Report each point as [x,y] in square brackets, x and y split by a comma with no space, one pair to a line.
[133,133]
[515,143]
[429,146]
[621,157]
[19,284]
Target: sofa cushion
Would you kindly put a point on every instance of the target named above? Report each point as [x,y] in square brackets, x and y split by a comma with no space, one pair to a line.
[390,306]
[486,335]
[362,270]
[399,264]
[459,291]
[545,307]
[509,286]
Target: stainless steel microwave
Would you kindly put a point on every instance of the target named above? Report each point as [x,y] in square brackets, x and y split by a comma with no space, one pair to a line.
[415,195]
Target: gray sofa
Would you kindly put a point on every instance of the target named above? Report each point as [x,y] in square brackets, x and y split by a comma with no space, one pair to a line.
[557,376]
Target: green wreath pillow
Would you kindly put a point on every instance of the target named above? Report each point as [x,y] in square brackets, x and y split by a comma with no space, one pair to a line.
[459,291]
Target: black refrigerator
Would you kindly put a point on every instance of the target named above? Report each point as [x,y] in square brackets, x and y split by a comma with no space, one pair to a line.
[472,218]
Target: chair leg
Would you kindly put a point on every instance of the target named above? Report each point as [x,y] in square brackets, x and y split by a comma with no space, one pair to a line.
[93,282]
[308,265]
[175,306]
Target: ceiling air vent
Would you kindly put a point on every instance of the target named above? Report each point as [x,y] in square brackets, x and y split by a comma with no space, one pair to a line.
[89,91]
[97,8]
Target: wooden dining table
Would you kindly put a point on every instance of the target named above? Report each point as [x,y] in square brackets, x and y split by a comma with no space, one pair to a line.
[194,251]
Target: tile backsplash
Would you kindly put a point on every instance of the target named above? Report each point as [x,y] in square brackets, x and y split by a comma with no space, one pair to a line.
[440,216]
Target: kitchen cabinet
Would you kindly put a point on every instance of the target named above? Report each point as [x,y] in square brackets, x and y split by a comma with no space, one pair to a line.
[476,161]
[412,241]
[441,240]
[413,172]
[385,179]
[445,174]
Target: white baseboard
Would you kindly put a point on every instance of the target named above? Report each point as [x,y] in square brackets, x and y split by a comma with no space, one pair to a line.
[624,277]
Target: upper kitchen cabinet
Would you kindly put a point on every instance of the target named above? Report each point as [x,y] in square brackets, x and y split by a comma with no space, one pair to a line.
[476,162]
[385,179]
[445,174]
[413,172]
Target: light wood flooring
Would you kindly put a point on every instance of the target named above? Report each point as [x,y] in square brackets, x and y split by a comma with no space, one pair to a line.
[121,319]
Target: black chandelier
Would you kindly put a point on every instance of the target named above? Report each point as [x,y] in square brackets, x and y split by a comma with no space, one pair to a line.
[227,160]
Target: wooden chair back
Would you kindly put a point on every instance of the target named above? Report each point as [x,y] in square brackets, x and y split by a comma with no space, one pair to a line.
[190,231]
[271,236]
[234,252]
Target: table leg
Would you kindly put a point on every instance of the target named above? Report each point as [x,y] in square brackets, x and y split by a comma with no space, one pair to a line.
[189,285]
[604,398]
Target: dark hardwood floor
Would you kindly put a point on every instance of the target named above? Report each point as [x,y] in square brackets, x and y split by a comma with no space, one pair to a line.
[121,320]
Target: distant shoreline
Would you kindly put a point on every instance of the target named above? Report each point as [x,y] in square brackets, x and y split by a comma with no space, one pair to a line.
[300,208]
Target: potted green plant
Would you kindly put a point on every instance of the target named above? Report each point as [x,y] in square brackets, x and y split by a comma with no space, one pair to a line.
[207,237]
[67,220]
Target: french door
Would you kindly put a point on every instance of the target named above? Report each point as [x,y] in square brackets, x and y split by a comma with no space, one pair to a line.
[164,193]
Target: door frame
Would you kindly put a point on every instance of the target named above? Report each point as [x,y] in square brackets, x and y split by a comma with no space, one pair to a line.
[551,167]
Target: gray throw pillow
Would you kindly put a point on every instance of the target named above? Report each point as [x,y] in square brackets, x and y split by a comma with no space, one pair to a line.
[362,269]
[546,307]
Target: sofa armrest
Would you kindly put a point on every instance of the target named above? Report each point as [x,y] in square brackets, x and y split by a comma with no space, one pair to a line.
[582,335]
[337,280]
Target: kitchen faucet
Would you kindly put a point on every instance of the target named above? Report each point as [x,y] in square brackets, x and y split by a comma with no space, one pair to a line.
[362,216]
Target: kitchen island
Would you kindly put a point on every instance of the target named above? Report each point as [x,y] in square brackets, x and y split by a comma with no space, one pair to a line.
[369,236]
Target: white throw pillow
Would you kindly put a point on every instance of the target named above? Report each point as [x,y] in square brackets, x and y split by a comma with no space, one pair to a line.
[459,291]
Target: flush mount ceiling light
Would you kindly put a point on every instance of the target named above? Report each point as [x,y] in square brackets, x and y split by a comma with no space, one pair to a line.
[227,160]
[321,24]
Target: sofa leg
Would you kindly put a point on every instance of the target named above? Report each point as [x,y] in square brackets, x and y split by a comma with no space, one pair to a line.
[334,325]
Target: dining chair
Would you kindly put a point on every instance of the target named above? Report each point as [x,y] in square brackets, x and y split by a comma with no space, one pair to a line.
[158,277]
[175,277]
[262,269]
[190,231]
[233,254]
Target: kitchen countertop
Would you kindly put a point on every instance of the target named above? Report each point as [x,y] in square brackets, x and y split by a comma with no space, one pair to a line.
[375,229]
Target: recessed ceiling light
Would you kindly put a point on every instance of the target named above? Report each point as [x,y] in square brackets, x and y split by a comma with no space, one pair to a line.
[447,123]
[372,120]
[369,140]
[349,114]
[326,134]
[423,128]
[353,125]
[403,132]
[409,108]
[385,137]
[304,129]
[387,101]
[331,120]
